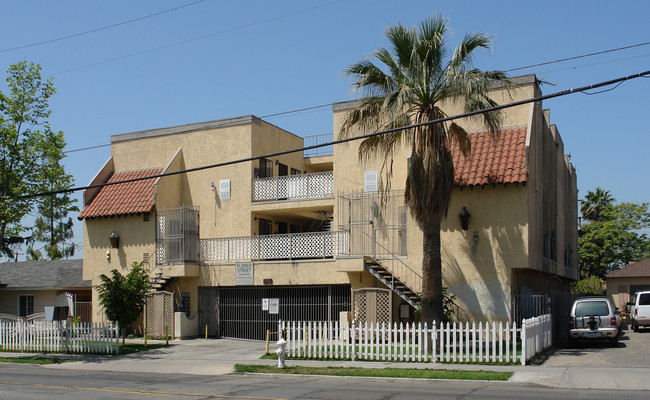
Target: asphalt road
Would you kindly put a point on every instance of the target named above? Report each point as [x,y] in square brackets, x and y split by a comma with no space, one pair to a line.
[633,351]
[34,382]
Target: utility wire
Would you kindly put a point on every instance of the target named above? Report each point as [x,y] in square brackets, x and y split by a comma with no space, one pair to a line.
[508,70]
[580,56]
[354,138]
[101,29]
[259,22]
[261,117]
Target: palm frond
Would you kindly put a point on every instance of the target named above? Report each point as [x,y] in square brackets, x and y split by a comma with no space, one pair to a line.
[463,58]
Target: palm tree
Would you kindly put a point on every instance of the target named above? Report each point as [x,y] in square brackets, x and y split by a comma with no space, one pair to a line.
[594,204]
[417,75]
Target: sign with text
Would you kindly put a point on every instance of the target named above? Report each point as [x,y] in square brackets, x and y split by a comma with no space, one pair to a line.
[370,183]
[224,189]
[243,273]
[265,304]
[274,306]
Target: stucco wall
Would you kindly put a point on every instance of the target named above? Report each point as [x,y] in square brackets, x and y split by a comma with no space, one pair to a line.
[137,238]
[42,298]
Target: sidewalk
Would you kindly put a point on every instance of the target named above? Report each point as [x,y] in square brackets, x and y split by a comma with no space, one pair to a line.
[218,356]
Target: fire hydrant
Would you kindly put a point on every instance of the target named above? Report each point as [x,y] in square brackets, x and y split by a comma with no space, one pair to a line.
[281,352]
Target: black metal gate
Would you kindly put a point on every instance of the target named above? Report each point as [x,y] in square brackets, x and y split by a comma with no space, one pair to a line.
[208,321]
[240,313]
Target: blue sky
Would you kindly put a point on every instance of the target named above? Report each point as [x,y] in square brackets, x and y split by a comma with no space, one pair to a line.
[267,57]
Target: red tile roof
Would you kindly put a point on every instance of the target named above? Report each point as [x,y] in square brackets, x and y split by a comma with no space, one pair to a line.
[633,270]
[124,198]
[493,159]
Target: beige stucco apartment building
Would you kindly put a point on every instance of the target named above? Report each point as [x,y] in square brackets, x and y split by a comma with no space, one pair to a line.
[305,235]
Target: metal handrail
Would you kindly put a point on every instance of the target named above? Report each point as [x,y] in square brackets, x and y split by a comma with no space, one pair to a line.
[319,139]
[410,272]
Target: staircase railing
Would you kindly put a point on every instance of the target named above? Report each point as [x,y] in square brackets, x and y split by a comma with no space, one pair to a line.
[398,268]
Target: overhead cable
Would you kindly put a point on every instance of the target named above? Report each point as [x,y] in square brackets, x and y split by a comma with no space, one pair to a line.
[100,29]
[566,92]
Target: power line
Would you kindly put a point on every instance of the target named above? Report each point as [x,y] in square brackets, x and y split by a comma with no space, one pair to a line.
[508,70]
[102,28]
[580,56]
[259,22]
[261,117]
[562,93]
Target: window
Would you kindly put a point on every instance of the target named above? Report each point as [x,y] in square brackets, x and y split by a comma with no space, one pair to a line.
[266,168]
[25,305]
[295,171]
[592,308]
[265,226]
[644,300]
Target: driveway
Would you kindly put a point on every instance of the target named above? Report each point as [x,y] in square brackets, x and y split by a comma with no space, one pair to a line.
[633,351]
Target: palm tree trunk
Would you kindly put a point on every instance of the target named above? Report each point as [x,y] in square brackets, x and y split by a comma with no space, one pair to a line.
[431,272]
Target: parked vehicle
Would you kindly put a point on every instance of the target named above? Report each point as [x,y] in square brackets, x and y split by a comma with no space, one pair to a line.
[594,318]
[640,310]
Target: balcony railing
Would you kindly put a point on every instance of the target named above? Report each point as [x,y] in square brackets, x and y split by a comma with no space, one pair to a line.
[294,187]
[292,246]
[319,139]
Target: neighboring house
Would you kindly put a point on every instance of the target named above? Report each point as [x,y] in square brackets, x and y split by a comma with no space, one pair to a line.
[28,287]
[307,237]
[623,283]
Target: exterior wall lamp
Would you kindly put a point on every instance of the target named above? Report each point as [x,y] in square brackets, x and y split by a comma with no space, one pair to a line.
[464,218]
[115,240]
[212,187]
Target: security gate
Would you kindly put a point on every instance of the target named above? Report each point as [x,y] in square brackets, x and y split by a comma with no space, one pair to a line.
[238,310]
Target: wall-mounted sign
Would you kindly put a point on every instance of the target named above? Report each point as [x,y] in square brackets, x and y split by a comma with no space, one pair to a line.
[370,184]
[274,306]
[265,304]
[224,189]
[243,273]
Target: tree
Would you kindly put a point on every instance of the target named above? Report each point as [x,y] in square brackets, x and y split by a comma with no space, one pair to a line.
[124,296]
[25,138]
[590,286]
[613,238]
[594,203]
[419,76]
[53,226]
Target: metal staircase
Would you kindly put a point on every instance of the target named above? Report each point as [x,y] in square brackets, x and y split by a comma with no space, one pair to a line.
[159,282]
[379,271]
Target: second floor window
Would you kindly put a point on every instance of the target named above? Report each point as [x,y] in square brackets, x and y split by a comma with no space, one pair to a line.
[266,168]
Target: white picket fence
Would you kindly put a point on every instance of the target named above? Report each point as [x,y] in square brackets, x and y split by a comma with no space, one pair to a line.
[54,336]
[461,343]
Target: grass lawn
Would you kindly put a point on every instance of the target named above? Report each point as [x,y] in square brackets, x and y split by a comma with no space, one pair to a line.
[130,348]
[127,348]
[378,372]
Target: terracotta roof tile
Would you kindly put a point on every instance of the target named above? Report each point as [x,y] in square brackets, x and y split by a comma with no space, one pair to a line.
[636,270]
[493,159]
[124,198]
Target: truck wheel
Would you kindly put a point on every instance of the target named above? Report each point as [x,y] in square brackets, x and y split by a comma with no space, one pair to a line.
[635,326]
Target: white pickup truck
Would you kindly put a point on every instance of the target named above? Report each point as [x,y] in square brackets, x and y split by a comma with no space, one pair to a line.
[640,310]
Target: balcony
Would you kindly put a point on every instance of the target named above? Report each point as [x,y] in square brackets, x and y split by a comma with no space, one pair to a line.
[316,140]
[293,246]
[294,187]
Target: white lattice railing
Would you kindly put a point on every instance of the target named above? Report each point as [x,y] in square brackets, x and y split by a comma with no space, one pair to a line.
[290,246]
[294,187]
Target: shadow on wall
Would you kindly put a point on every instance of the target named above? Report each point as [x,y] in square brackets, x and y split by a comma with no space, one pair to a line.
[479,273]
